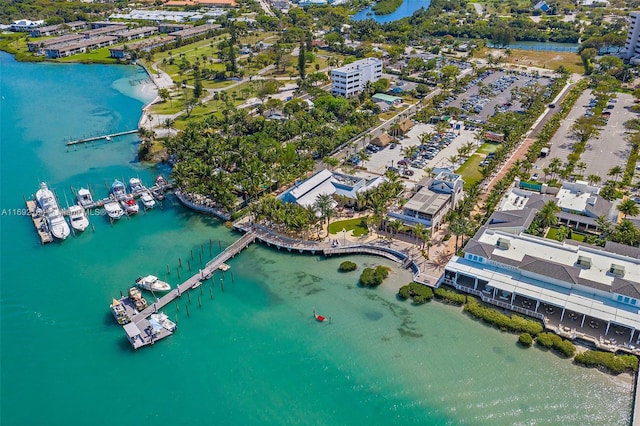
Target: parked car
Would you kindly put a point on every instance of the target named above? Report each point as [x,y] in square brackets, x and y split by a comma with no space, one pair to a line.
[534,177]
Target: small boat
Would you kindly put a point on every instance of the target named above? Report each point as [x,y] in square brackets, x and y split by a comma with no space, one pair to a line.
[78,216]
[196,284]
[152,283]
[84,197]
[129,204]
[162,319]
[118,189]
[55,220]
[136,185]
[147,200]
[319,317]
[161,181]
[136,297]
[119,312]
[113,209]
[108,138]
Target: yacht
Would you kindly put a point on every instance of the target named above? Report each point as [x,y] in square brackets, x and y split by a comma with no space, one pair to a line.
[158,193]
[129,204]
[55,220]
[162,319]
[152,283]
[136,185]
[84,198]
[113,209]
[136,297]
[78,216]
[147,200]
[161,181]
[118,190]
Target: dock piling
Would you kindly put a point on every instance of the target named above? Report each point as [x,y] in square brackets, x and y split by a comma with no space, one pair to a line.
[199,302]
[189,296]
[232,280]
[177,306]
[211,292]
[180,262]
[222,284]
[178,271]
[200,257]
[210,248]
[168,270]
[191,254]
[189,264]
[188,311]
[219,245]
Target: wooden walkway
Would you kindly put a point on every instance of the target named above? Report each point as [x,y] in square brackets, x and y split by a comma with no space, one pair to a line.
[97,138]
[195,280]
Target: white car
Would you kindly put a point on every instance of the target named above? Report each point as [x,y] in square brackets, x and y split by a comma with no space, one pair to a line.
[534,177]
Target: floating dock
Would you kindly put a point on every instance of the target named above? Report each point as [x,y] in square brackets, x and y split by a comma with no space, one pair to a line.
[97,138]
[39,222]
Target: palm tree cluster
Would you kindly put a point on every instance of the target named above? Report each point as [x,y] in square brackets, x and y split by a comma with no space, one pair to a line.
[287,218]
[238,156]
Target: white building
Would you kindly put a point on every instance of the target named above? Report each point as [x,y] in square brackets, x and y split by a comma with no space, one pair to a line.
[25,25]
[350,79]
[632,47]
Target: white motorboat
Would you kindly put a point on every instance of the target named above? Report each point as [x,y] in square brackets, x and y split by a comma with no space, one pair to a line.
[147,200]
[162,319]
[55,220]
[79,219]
[129,204]
[152,283]
[161,181]
[84,197]
[136,185]
[118,190]
[113,209]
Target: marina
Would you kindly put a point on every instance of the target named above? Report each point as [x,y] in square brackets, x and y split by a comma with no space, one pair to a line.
[78,213]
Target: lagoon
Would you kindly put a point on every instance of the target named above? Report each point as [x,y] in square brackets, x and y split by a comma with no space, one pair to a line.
[254,353]
[407,8]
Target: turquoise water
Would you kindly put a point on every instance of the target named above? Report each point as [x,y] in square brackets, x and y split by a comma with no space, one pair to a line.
[252,355]
[406,9]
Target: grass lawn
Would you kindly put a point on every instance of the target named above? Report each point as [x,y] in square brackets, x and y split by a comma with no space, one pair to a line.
[101,55]
[349,224]
[487,148]
[470,171]
[542,59]
[554,231]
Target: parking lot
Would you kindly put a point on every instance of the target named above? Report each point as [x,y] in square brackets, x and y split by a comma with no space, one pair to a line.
[492,92]
[609,149]
[432,155]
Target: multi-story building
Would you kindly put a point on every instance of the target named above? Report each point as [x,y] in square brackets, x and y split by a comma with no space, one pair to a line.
[632,46]
[350,79]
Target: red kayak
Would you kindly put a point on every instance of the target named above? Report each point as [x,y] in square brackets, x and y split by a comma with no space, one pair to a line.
[319,317]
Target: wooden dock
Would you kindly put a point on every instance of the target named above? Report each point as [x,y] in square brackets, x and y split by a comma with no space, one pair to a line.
[39,222]
[97,138]
[137,334]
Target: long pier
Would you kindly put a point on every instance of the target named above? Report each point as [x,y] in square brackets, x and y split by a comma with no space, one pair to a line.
[139,320]
[97,138]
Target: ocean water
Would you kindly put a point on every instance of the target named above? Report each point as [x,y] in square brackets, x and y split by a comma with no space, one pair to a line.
[251,354]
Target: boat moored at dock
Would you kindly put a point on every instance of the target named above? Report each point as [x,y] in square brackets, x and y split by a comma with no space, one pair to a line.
[56,223]
[152,283]
[129,204]
[118,189]
[78,217]
[162,320]
[113,209]
[84,198]
[135,184]
[136,297]
[147,200]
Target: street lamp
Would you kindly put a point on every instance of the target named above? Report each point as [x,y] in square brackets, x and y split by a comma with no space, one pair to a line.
[344,237]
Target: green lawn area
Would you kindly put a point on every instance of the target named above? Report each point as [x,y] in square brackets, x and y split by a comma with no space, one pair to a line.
[470,171]
[554,231]
[487,148]
[101,55]
[350,224]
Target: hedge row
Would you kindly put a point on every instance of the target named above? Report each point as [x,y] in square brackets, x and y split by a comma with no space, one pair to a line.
[451,296]
[557,343]
[420,293]
[494,317]
[616,364]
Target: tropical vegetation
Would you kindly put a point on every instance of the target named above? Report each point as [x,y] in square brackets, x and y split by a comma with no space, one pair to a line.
[613,363]
[347,266]
[373,277]
[419,293]
[556,343]
[513,323]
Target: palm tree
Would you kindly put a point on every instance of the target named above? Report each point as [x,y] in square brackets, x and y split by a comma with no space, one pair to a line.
[593,179]
[606,227]
[628,207]
[324,205]
[615,172]
[563,233]
[422,233]
[459,226]
[547,214]
[581,166]
[395,226]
